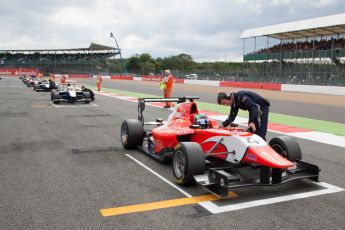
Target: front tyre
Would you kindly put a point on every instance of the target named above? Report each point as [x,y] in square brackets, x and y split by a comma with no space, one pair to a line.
[87,97]
[287,147]
[132,133]
[188,161]
[55,97]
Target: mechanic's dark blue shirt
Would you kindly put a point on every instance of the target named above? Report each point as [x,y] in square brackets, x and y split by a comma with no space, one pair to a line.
[247,100]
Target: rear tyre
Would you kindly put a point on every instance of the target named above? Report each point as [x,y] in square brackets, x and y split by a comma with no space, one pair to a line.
[188,161]
[287,147]
[132,133]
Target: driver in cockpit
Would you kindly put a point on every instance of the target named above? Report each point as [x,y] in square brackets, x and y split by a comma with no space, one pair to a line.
[202,121]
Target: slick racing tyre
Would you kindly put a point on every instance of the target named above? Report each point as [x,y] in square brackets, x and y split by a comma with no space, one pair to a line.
[87,97]
[56,97]
[188,161]
[287,147]
[132,133]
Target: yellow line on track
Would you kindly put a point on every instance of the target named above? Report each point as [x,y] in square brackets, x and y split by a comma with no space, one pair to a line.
[161,204]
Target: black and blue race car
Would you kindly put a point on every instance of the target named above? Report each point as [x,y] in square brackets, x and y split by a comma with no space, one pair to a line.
[42,86]
[69,93]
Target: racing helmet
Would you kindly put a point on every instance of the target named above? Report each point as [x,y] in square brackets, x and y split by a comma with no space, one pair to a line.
[202,121]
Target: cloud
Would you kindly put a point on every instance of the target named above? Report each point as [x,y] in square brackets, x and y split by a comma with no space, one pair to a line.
[323,3]
[202,28]
[281,2]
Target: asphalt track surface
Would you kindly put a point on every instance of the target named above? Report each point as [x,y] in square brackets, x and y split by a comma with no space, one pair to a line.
[59,166]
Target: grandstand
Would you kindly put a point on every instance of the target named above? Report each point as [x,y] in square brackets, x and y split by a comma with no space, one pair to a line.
[308,51]
[91,60]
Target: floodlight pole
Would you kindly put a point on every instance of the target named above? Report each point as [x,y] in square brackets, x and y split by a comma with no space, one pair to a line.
[121,59]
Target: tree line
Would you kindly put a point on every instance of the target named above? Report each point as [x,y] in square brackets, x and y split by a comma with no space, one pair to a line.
[180,64]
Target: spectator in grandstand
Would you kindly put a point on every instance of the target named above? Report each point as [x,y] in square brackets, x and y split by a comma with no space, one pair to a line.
[99,82]
[257,106]
[92,94]
[323,44]
[167,85]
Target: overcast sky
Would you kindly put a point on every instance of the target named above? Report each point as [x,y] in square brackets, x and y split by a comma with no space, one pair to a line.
[208,30]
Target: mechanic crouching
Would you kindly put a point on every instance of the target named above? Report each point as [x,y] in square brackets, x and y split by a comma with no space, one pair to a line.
[92,94]
[257,106]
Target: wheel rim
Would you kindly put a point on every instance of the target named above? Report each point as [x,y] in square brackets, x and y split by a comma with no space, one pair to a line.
[124,135]
[179,164]
[280,150]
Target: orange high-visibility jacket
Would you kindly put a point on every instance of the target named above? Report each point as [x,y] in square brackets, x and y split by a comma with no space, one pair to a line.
[63,79]
[169,83]
[99,79]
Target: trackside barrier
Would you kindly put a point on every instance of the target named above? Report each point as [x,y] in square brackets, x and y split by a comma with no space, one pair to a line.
[179,80]
[152,78]
[334,90]
[78,76]
[119,77]
[18,72]
[202,82]
[252,85]
[159,79]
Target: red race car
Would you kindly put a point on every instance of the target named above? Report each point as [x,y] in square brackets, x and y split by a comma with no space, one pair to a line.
[216,158]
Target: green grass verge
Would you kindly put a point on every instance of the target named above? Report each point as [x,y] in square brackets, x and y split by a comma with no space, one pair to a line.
[300,122]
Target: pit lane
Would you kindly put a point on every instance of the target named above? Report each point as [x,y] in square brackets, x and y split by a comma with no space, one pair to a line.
[60,166]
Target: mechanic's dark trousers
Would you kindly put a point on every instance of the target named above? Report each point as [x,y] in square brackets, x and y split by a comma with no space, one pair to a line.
[261,124]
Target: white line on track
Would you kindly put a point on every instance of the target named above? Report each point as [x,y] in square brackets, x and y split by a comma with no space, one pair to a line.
[159,176]
[215,209]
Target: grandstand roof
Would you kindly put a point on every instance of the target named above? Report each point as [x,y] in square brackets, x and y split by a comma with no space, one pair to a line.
[95,46]
[322,26]
[92,47]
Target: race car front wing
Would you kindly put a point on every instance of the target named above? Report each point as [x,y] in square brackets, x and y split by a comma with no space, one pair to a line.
[219,180]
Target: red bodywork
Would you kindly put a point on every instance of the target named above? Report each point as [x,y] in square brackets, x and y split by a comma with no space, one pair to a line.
[178,128]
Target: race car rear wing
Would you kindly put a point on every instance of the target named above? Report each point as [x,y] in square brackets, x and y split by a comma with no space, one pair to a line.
[142,101]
